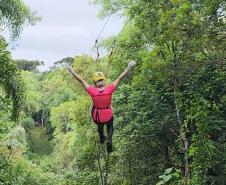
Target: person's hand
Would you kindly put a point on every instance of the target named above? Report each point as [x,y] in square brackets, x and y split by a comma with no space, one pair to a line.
[131,64]
[69,68]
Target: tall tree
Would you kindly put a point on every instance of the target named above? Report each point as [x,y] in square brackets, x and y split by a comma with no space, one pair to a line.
[28,65]
[10,79]
[14,14]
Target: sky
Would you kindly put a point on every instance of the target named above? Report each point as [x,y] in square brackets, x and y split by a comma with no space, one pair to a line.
[68,28]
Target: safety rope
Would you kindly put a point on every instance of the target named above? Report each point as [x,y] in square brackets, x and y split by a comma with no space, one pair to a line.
[98,54]
[99,164]
[98,155]
[101,158]
[106,169]
[113,48]
[110,57]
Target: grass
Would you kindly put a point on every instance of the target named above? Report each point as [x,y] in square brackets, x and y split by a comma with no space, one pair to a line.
[40,142]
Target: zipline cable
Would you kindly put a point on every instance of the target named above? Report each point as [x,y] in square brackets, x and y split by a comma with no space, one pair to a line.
[112,48]
[102,30]
[97,42]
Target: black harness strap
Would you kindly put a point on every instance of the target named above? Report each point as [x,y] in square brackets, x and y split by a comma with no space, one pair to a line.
[97,116]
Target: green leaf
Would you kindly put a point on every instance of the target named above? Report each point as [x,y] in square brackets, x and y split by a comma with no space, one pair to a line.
[166,178]
[160,182]
[168,171]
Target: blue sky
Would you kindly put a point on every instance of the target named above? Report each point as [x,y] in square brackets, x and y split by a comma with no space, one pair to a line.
[68,28]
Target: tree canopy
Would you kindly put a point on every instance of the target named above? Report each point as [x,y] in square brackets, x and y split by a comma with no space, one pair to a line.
[169,113]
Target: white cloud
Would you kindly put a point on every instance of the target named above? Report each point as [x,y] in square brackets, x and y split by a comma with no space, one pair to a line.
[67,29]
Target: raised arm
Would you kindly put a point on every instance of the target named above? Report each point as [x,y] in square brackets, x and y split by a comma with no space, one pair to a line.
[124,74]
[77,77]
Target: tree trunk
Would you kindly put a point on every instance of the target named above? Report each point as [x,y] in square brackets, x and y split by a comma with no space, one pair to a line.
[42,120]
[66,123]
[178,114]
[185,142]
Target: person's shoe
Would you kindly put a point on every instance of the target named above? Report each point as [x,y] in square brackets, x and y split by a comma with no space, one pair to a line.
[102,139]
[109,147]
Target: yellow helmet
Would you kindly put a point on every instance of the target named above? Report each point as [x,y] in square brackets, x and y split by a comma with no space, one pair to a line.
[98,76]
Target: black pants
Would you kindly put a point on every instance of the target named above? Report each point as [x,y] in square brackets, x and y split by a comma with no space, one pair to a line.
[109,130]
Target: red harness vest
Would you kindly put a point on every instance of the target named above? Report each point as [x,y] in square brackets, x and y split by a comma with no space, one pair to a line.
[102,110]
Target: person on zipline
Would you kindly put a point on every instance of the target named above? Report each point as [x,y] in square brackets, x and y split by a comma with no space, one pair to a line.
[102,95]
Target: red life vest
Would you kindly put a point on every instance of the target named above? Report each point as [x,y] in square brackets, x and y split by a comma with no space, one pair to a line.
[102,110]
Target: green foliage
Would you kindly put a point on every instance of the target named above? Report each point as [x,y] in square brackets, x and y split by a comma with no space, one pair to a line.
[16,139]
[169,174]
[32,88]
[27,123]
[22,172]
[169,114]
[10,80]
[14,15]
